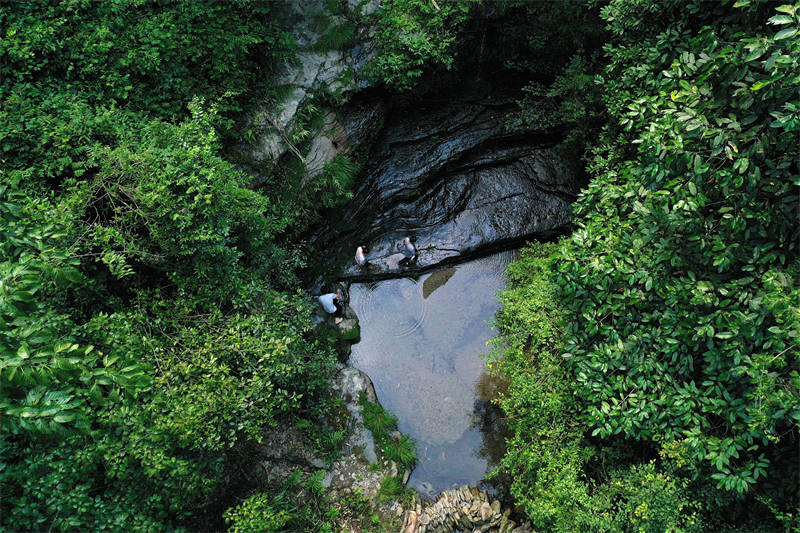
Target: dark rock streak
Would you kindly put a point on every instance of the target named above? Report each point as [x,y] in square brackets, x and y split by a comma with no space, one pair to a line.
[450,175]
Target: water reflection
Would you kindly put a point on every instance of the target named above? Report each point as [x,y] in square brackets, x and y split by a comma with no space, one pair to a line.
[421,343]
[436,280]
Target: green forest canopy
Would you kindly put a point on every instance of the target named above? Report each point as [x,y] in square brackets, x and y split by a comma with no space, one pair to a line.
[653,355]
[150,322]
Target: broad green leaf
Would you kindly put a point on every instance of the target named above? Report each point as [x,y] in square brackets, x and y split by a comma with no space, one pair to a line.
[63,418]
[781,19]
[785,34]
[760,85]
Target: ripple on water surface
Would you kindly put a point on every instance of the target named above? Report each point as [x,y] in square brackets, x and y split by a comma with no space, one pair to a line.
[421,343]
[393,303]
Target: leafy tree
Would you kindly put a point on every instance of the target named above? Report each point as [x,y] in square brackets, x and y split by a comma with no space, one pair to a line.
[680,282]
[143,340]
[545,454]
[649,501]
[414,34]
[152,442]
[50,382]
[548,457]
[163,201]
[152,56]
[692,304]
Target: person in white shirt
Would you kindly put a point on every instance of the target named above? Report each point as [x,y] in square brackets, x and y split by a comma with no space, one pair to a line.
[361,258]
[409,251]
[332,302]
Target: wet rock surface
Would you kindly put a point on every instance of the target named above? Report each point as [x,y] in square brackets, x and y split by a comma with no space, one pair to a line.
[449,175]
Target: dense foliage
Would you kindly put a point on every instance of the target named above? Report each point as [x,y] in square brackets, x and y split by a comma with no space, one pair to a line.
[151,327]
[283,511]
[677,338]
[413,35]
[547,452]
[149,321]
[556,47]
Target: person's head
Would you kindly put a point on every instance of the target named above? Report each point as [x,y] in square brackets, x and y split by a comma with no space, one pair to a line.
[339,294]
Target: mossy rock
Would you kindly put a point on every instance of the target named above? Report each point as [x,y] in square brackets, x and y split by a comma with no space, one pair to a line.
[349,329]
[327,331]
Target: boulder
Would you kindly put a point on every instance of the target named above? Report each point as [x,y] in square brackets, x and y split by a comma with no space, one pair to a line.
[348,384]
[454,179]
[462,509]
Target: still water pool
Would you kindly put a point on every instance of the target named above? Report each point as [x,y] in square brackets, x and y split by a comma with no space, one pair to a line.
[421,343]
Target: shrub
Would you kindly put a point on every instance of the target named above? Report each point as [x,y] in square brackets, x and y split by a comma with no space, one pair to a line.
[649,501]
[257,514]
[413,34]
[545,454]
[391,488]
[380,422]
[678,277]
[678,323]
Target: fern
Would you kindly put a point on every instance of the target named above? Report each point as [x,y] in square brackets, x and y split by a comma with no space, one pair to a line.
[376,418]
[337,180]
[380,422]
[339,37]
[401,451]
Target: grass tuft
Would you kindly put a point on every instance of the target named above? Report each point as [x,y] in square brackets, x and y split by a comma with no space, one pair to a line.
[380,423]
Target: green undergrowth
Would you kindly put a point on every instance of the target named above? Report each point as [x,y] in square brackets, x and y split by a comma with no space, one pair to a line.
[337,37]
[151,322]
[306,506]
[326,438]
[392,489]
[295,505]
[414,35]
[381,424]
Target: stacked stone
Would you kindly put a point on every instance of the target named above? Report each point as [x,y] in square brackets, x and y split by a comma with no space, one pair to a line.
[462,509]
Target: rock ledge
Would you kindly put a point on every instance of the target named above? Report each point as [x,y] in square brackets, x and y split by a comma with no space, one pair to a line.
[461,509]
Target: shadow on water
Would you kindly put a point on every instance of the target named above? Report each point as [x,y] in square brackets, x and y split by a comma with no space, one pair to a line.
[421,343]
[436,280]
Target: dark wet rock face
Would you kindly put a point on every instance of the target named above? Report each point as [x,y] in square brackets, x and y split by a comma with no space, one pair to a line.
[449,175]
